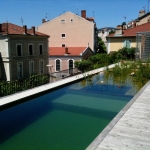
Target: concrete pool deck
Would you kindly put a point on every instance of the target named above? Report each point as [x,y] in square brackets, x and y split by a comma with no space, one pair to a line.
[130,129]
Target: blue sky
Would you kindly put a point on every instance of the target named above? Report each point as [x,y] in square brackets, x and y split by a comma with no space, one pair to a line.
[107,13]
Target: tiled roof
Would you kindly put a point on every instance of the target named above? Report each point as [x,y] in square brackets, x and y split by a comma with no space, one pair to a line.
[9,28]
[72,51]
[132,31]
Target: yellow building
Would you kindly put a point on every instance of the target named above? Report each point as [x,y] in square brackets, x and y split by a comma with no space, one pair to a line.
[125,37]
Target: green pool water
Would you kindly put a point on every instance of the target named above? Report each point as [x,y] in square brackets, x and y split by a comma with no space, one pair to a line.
[69,118]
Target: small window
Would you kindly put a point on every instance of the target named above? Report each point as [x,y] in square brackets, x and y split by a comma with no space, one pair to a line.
[63,45]
[19,50]
[41,49]
[30,49]
[71,20]
[57,65]
[63,21]
[63,35]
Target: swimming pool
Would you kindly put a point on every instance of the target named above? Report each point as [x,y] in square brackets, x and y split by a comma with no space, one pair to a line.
[67,118]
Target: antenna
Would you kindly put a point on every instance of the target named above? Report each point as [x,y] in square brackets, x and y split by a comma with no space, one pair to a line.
[22,21]
[77,10]
[93,14]
[46,17]
[49,16]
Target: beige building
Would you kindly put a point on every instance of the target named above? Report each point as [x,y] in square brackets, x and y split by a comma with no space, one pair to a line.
[143,17]
[23,52]
[70,30]
[125,37]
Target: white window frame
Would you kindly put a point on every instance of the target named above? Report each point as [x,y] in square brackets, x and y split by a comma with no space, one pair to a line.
[68,62]
[30,71]
[60,64]
[40,66]
[42,49]
[126,40]
[71,20]
[32,49]
[62,45]
[17,49]
[19,77]
[62,35]
[63,21]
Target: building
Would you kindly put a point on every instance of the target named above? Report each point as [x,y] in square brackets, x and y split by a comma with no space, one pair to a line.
[143,17]
[125,37]
[62,58]
[23,52]
[70,30]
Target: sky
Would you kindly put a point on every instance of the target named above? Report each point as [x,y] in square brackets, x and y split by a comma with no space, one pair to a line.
[107,13]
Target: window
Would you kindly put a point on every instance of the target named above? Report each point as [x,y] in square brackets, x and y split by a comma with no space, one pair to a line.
[31,67]
[63,21]
[19,50]
[63,45]
[20,69]
[57,65]
[30,49]
[127,43]
[70,66]
[41,66]
[63,35]
[41,49]
[71,20]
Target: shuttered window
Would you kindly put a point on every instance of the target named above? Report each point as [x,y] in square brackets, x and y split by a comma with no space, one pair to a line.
[127,43]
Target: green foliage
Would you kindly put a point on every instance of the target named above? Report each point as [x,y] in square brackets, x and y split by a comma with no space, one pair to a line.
[7,88]
[126,53]
[84,65]
[101,48]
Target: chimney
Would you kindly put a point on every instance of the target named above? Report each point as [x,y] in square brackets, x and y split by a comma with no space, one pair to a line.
[0,27]
[83,13]
[119,30]
[66,50]
[43,20]
[33,30]
[25,29]
[141,13]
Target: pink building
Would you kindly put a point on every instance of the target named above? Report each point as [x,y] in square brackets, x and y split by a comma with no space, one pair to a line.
[62,58]
[76,33]
[70,30]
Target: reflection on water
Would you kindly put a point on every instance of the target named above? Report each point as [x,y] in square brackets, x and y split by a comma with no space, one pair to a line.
[68,118]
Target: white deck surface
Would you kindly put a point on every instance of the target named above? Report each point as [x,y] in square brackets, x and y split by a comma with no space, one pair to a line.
[130,129]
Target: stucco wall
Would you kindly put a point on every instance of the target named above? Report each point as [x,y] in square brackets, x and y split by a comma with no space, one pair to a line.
[143,20]
[10,64]
[79,32]
[116,43]
[64,62]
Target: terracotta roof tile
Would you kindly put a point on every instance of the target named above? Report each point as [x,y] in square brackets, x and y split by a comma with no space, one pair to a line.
[60,51]
[9,28]
[132,31]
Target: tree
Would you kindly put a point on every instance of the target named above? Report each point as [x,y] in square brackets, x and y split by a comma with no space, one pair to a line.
[101,48]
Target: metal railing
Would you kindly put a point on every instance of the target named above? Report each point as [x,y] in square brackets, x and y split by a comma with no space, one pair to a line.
[11,87]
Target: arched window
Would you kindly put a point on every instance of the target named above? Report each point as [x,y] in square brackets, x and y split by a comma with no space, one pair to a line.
[57,65]
[70,66]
